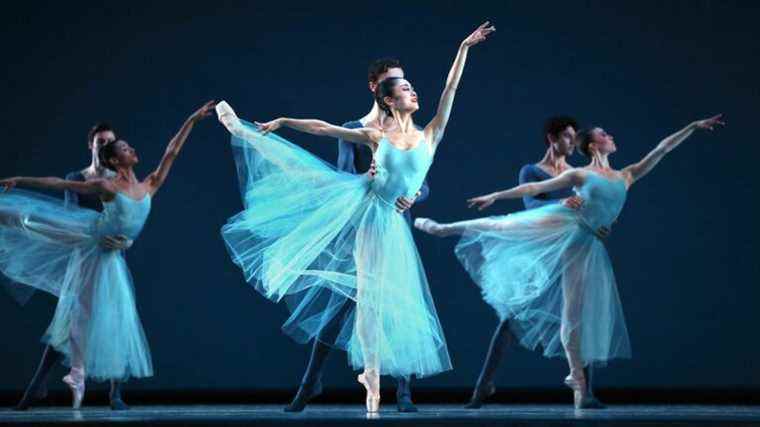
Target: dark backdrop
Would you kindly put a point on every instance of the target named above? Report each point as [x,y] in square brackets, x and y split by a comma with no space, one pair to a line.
[683,249]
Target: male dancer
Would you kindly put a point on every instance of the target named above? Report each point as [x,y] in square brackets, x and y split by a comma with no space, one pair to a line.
[559,136]
[99,135]
[356,158]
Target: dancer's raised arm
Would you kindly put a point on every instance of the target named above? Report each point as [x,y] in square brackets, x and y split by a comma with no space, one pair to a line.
[435,129]
[566,179]
[156,179]
[638,170]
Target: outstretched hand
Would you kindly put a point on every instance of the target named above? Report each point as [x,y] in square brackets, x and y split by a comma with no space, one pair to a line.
[267,127]
[203,112]
[481,202]
[480,34]
[8,184]
[710,123]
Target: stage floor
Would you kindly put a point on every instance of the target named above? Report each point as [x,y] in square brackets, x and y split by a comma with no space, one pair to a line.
[429,415]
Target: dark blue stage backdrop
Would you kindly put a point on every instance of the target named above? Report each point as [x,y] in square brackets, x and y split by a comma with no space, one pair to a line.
[684,249]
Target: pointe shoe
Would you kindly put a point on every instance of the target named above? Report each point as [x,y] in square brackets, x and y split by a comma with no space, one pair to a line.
[581,398]
[480,394]
[227,116]
[429,226]
[373,396]
[75,381]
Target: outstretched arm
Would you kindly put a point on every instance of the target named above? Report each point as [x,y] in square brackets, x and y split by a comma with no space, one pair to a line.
[638,170]
[94,186]
[364,136]
[156,179]
[435,129]
[566,179]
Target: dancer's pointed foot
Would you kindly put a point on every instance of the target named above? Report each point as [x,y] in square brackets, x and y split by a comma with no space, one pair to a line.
[306,392]
[75,381]
[431,227]
[581,398]
[480,394]
[371,382]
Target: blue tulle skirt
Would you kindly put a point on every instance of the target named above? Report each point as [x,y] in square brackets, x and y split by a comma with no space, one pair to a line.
[51,247]
[342,259]
[547,273]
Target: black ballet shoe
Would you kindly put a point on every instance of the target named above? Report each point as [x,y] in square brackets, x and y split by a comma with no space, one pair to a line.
[590,402]
[404,403]
[117,404]
[479,395]
[305,393]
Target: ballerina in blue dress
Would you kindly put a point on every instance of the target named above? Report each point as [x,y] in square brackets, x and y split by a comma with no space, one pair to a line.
[50,246]
[546,269]
[319,238]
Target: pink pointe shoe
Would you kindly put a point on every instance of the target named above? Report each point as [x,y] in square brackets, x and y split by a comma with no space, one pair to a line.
[372,384]
[75,381]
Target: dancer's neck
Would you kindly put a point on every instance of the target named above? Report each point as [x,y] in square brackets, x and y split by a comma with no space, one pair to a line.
[126,176]
[600,161]
[95,169]
[554,162]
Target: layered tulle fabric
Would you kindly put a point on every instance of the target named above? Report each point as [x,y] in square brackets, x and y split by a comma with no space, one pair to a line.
[546,271]
[55,248]
[340,256]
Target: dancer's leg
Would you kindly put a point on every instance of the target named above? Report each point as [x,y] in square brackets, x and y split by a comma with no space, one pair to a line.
[573,288]
[37,388]
[404,395]
[367,318]
[593,401]
[78,342]
[311,384]
[117,403]
[454,228]
[502,338]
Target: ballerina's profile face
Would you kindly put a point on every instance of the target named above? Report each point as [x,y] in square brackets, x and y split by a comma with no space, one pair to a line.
[404,97]
[602,142]
[123,155]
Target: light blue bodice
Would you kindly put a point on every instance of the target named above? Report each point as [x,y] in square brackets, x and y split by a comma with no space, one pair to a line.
[603,199]
[124,216]
[400,172]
